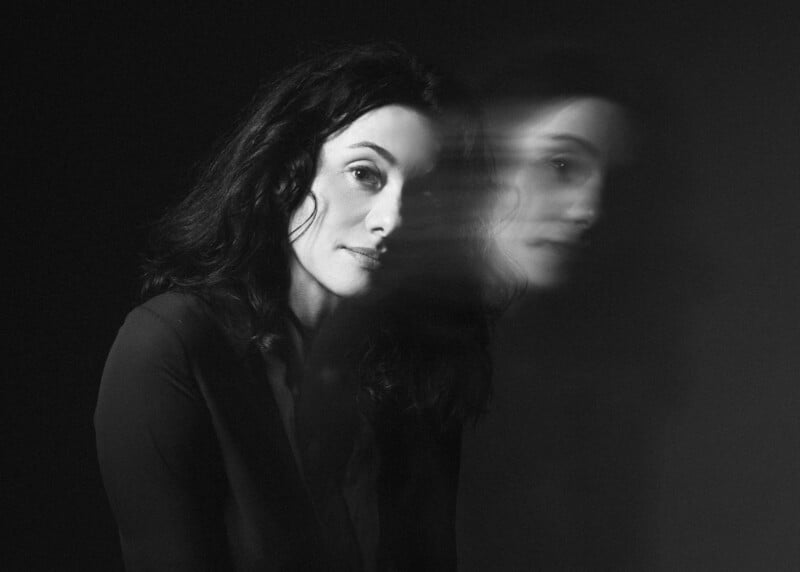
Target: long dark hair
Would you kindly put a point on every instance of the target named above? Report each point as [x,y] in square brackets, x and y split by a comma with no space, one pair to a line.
[230,235]
[229,240]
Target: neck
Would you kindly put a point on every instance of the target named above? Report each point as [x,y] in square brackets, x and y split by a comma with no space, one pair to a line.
[310,301]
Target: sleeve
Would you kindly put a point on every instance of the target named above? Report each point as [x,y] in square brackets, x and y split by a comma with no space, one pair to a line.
[157,452]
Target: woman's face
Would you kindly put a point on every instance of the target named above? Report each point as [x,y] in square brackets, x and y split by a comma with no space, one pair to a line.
[362,172]
[552,163]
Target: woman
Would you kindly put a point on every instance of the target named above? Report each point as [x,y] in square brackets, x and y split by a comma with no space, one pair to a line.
[558,129]
[208,416]
[553,160]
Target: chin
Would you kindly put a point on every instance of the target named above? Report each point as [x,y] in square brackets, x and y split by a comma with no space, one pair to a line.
[547,283]
[351,288]
[539,278]
[546,272]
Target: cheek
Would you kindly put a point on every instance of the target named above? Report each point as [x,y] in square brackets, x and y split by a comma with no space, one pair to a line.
[506,205]
[346,207]
[519,209]
[547,205]
[339,205]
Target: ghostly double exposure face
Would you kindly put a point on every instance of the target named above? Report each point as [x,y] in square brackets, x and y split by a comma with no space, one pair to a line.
[552,162]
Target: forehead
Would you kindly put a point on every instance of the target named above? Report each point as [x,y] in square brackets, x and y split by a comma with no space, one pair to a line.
[589,118]
[565,122]
[409,135]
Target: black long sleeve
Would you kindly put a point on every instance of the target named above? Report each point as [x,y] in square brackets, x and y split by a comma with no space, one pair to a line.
[157,452]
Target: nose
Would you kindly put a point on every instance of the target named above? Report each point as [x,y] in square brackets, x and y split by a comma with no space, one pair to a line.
[384,217]
[585,204]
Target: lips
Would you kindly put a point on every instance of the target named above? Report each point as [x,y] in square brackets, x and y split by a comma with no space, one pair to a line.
[540,240]
[367,258]
[563,248]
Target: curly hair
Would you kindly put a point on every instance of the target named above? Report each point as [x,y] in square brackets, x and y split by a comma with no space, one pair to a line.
[229,240]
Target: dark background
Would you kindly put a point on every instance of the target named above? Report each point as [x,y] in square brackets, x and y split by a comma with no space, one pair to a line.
[107,112]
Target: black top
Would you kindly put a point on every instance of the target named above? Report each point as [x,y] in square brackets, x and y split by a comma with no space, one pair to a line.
[201,475]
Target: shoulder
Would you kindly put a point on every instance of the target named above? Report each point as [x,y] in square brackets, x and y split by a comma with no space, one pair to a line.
[185,318]
[161,335]
[165,336]
[151,411]
[178,310]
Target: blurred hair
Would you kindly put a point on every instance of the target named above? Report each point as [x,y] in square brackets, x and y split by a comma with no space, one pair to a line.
[427,354]
[555,68]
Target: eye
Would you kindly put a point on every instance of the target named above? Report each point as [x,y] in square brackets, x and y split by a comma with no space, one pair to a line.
[569,169]
[366,176]
[561,164]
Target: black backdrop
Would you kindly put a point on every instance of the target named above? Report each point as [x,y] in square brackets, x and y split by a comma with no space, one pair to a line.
[108,110]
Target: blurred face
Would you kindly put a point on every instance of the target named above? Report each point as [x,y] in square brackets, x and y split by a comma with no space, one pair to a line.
[339,234]
[552,163]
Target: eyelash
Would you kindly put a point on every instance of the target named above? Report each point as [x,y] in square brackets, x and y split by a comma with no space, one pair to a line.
[560,164]
[374,176]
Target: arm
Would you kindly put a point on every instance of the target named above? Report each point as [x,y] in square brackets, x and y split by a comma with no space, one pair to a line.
[157,451]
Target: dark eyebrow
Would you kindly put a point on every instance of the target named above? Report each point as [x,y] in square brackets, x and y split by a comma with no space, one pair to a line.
[580,142]
[391,159]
